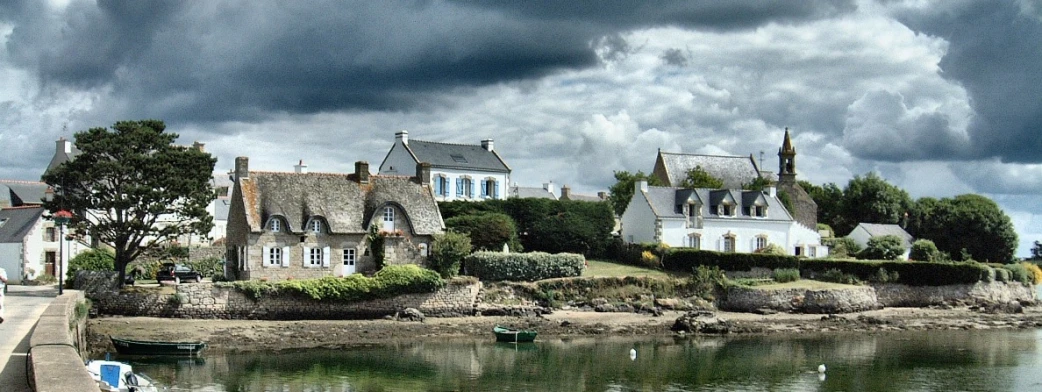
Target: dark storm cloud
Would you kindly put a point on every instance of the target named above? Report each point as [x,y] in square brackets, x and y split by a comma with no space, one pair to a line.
[214,61]
[995,52]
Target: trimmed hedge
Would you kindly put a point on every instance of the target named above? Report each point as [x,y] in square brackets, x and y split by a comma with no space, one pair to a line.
[687,259]
[533,266]
[909,273]
[391,281]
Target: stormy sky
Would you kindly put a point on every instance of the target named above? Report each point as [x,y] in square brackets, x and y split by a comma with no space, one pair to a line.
[938,97]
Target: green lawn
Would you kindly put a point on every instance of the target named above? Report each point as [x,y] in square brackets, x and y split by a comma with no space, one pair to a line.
[596,268]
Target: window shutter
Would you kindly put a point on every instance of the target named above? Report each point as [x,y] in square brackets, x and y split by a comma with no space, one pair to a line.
[495,189]
[437,185]
[306,260]
[459,187]
[325,257]
[266,256]
[285,256]
[471,183]
[484,191]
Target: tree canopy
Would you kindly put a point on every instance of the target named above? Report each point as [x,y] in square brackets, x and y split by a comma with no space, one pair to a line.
[870,199]
[700,178]
[969,222]
[621,193]
[133,189]
[1036,251]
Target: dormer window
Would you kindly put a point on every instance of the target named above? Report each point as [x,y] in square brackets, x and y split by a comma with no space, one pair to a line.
[760,211]
[275,225]
[725,210]
[315,226]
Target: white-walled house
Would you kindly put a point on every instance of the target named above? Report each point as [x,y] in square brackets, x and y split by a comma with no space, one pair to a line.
[865,231]
[458,171]
[724,220]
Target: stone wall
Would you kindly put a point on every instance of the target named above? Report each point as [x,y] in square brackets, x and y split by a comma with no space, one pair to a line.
[854,299]
[55,364]
[215,301]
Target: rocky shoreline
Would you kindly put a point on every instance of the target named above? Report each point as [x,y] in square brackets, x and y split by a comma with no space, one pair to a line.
[249,335]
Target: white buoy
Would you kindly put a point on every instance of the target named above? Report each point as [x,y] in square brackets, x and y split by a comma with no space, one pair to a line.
[821,368]
[633,354]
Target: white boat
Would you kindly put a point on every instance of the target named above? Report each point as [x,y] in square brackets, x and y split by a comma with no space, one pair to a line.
[114,376]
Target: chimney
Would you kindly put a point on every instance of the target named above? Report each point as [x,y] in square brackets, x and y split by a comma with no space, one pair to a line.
[362,171]
[602,195]
[423,173]
[242,167]
[565,192]
[771,190]
[63,146]
[301,168]
[487,144]
[641,186]
[549,187]
[201,147]
[402,136]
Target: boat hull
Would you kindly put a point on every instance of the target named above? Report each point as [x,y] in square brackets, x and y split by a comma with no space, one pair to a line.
[513,335]
[140,347]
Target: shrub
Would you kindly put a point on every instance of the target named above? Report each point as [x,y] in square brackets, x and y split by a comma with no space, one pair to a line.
[837,276]
[842,247]
[649,259]
[883,276]
[524,266]
[771,249]
[706,281]
[912,274]
[91,260]
[43,280]
[1017,273]
[1034,271]
[391,281]
[782,275]
[687,259]
[924,250]
[1001,275]
[885,247]
[633,254]
[447,253]
[209,266]
[487,231]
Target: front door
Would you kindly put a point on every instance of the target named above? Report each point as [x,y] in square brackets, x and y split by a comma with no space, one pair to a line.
[48,263]
[349,262]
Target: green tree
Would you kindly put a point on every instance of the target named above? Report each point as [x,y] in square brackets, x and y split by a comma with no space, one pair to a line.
[488,231]
[829,198]
[968,226]
[448,251]
[757,184]
[125,179]
[870,199]
[924,250]
[884,247]
[1036,251]
[621,193]
[90,260]
[699,178]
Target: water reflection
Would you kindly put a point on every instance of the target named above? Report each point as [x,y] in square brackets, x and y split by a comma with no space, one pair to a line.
[912,361]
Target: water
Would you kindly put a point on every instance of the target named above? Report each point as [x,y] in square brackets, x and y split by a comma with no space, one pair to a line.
[906,361]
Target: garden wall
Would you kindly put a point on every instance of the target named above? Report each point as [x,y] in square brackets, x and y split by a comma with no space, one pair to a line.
[214,301]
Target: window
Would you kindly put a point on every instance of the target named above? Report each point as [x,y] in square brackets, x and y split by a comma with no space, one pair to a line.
[812,251]
[458,158]
[760,211]
[316,226]
[441,185]
[761,242]
[50,235]
[726,210]
[489,189]
[349,256]
[799,251]
[694,241]
[272,256]
[275,225]
[315,257]
[729,244]
[423,249]
[388,214]
[464,187]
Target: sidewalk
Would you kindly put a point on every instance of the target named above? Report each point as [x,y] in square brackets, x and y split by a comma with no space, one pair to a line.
[23,307]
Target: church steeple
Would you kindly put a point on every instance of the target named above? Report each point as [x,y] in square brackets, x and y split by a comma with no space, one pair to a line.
[787,159]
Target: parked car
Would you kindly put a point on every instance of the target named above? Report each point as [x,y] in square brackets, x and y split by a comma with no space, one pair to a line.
[178,273]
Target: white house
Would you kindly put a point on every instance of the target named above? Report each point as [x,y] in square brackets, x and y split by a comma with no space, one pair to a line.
[458,171]
[865,231]
[725,220]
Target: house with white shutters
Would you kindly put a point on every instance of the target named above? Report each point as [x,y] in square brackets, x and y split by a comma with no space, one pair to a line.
[458,171]
[304,225]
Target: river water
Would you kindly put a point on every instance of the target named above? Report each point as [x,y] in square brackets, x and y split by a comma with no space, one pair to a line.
[995,360]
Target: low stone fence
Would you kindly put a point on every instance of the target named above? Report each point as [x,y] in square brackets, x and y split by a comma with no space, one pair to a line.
[55,363]
[213,301]
[855,299]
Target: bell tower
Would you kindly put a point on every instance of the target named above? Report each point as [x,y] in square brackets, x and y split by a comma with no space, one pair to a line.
[787,160]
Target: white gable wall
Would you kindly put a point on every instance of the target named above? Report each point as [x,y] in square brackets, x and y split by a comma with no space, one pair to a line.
[638,222]
[399,162]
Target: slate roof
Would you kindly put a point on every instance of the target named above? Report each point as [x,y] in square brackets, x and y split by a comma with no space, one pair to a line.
[735,171]
[221,207]
[664,201]
[467,156]
[344,204]
[16,193]
[524,192]
[17,222]
[880,229]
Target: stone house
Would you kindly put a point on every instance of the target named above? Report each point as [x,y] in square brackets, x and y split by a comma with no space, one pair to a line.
[309,225]
[458,171]
[724,220]
[866,231]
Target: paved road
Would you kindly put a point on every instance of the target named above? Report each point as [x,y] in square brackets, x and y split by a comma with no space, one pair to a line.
[24,305]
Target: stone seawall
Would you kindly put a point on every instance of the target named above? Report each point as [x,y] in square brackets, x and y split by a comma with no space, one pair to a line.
[55,345]
[212,301]
[855,299]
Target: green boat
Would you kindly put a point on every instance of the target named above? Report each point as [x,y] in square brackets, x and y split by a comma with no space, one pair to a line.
[504,334]
[142,347]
